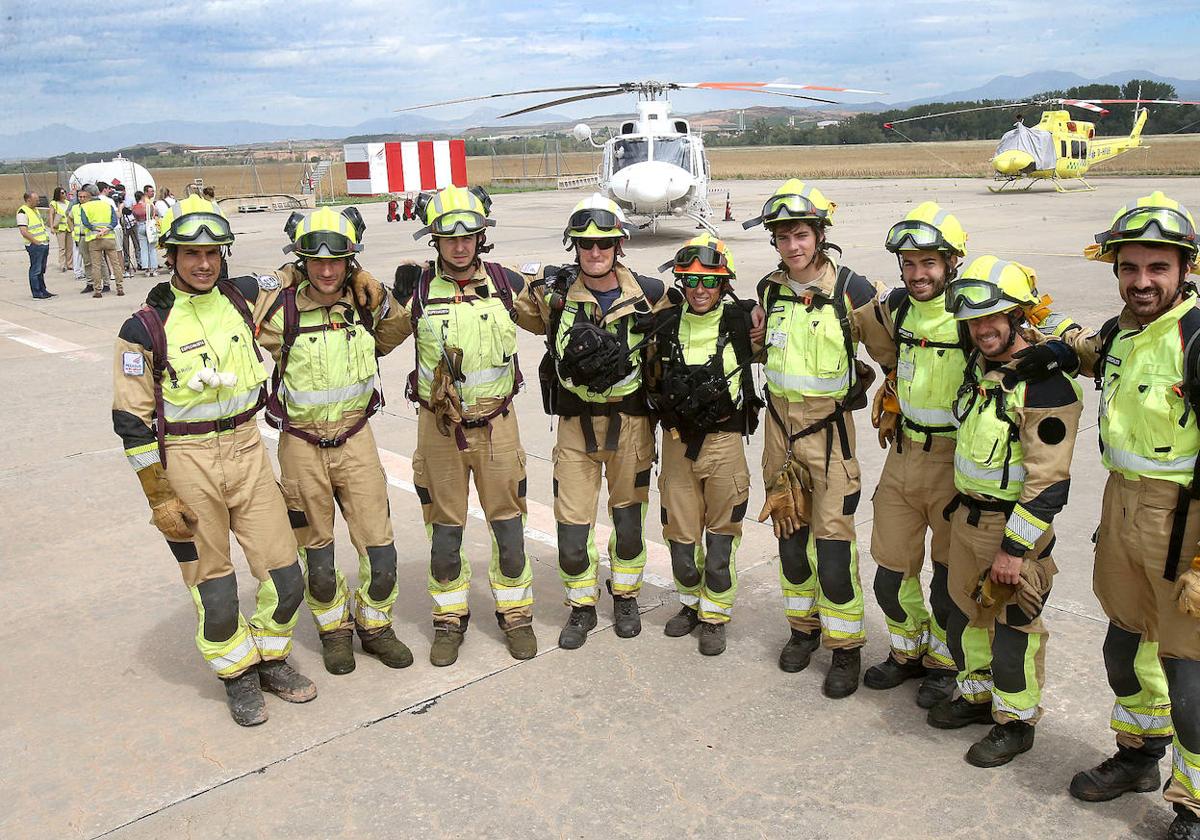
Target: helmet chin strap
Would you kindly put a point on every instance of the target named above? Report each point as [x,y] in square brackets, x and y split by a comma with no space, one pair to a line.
[1014,324]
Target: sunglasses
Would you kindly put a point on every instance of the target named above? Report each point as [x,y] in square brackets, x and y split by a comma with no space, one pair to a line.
[589,244]
[708,281]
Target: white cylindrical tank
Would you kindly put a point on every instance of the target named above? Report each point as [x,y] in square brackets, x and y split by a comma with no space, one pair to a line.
[133,176]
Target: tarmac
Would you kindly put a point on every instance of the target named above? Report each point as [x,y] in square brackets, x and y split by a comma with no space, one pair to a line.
[114,727]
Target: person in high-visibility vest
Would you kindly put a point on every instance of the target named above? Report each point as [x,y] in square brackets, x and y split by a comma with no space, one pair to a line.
[37,244]
[1146,362]
[60,224]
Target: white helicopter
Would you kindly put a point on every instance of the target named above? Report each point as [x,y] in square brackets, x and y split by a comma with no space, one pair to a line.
[654,166]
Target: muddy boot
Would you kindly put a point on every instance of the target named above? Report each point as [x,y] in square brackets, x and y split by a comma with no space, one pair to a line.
[798,651]
[383,644]
[842,679]
[337,651]
[682,623]
[957,713]
[574,632]
[1001,745]
[244,696]
[712,639]
[889,673]
[937,686]
[447,639]
[1185,826]
[521,641]
[285,682]
[1128,771]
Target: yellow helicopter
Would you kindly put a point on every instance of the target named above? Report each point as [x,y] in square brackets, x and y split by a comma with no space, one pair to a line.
[1059,148]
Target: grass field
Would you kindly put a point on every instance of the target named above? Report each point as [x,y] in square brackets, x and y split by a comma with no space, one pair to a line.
[1166,155]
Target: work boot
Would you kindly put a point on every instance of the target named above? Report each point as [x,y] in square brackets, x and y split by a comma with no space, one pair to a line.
[1001,745]
[798,651]
[889,673]
[627,620]
[957,713]
[337,651]
[574,632]
[244,696]
[521,641]
[1129,770]
[1185,826]
[447,639]
[383,644]
[712,639]
[682,623]
[842,679]
[937,686]
[285,682]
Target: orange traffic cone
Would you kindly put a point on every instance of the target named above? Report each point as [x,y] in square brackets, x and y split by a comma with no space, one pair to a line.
[728,208]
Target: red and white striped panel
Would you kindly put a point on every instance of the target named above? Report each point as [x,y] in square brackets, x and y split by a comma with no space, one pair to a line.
[411,166]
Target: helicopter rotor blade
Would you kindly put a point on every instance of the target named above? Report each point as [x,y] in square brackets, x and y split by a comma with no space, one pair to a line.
[618,88]
[959,111]
[779,93]
[1136,101]
[779,85]
[563,101]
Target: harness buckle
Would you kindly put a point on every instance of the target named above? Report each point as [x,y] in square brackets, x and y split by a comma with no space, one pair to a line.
[329,443]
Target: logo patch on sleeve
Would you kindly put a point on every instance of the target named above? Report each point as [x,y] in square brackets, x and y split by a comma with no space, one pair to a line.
[531,268]
[268,282]
[133,364]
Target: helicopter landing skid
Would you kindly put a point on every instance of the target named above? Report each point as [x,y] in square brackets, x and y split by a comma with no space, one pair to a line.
[1011,182]
[1085,188]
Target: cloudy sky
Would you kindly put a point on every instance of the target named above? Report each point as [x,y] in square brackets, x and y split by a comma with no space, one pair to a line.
[339,63]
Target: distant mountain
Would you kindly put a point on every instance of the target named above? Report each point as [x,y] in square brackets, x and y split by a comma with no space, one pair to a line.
[1017,87]
[60,139]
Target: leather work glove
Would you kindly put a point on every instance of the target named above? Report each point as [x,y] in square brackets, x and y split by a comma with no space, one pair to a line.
[1041,361]
[1189,593]
[168,513]
[885,411]
[789,500]
[408,275]
[1026,594]
[368,291]
[443,396]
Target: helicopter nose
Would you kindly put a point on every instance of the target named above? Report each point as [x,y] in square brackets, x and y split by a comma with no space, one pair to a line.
[1012,162]
[651,183]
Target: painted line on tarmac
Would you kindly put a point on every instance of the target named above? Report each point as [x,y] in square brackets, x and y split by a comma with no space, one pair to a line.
[540,525]
[46,343]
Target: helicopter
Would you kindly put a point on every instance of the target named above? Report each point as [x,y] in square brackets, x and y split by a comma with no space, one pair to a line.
[1059,148]
[654,166]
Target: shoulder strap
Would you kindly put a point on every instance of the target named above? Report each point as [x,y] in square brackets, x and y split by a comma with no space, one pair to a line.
[843,313]
[503,287]
[153,323]
[1108,334]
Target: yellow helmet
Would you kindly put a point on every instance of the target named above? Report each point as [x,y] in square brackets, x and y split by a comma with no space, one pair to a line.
[704,255]
[455,211]
[795,201]
[928,227]
[1152,218]
[989,285]
[325,233]
[194,221]
[596,217]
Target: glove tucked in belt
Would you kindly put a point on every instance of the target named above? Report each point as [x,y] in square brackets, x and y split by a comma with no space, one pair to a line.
[789,499]
[444,400]
[885,411]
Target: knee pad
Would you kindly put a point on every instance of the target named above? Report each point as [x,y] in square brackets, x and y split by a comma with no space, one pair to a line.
[887,593]
[833,570]
[1120,652]
[383,570]
[627,523]
[220,600]
[445,558]
[939,594]
[573,548]
[322,580]
[1008,659]
[1183,682]
[683,563]
[289,589]
[510,545]
[717,576]
[793,557]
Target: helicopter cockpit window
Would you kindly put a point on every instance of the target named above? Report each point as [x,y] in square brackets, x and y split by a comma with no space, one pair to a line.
[673,150]
[628,152]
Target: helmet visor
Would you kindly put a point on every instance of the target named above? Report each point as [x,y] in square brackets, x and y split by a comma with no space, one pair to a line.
[706,255]
[326,244]
[975,298]
[602,219]
[916,236]
[456,223]
[201,229]
[1158,223]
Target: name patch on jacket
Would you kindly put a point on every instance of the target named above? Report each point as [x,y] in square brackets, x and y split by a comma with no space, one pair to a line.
[194,345]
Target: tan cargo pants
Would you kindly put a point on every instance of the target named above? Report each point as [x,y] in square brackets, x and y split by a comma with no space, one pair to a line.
[104,256]
[442,475]
[228,482]
[703,505]
[350,475]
